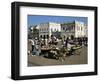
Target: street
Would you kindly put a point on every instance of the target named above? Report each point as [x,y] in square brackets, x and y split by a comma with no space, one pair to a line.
[80,58]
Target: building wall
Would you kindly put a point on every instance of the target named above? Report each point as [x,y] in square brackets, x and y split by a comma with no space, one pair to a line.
[54,27]
[79,29]
[86,31]
[67,30]
[43,29]
[76,29]
[48,28]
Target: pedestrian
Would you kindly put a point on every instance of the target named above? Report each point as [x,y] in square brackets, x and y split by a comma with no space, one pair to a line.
[29,47]
[66,42]
[32,42]
[70,49]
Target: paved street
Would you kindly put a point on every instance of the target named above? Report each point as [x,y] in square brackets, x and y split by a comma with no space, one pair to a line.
[69,60]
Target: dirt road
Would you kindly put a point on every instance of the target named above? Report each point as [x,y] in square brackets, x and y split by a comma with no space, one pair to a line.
[70,60]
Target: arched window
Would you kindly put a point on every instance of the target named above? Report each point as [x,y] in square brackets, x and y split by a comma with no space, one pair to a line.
[81,28]
[55,29]
[40,36]
[44,37]
[72,37]
[51,29]
[47,36]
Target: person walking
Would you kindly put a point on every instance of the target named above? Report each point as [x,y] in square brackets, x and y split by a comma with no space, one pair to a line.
[66,42]
[32,42]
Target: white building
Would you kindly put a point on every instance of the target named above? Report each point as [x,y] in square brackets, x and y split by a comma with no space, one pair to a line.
[80,29]
[75,29]
[48,29]
[86,31]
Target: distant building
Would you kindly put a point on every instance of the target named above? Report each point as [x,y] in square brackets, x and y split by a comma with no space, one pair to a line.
[75,29]
[48,29]
[72,30]
[86,31]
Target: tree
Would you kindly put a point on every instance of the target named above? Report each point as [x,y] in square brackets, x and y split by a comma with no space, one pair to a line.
[35,32]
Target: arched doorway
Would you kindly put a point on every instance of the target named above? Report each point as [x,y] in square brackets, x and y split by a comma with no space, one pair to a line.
[72,37]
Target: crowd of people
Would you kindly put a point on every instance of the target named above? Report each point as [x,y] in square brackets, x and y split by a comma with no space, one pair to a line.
[35,44]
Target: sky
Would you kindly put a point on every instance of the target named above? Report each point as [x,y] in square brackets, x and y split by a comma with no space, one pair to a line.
[37,19]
